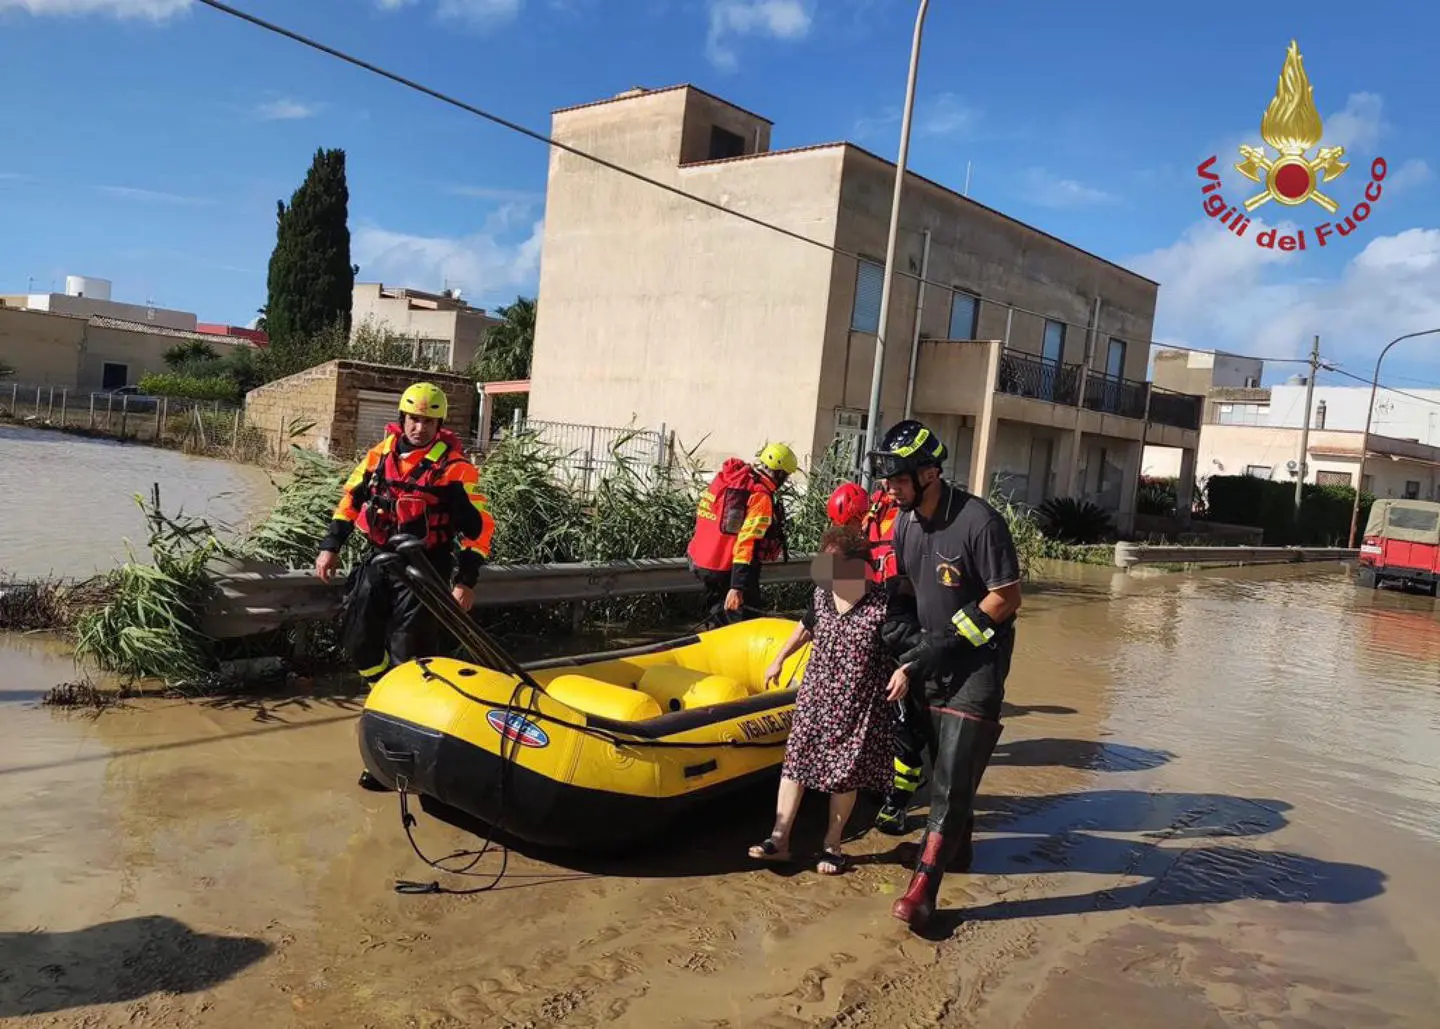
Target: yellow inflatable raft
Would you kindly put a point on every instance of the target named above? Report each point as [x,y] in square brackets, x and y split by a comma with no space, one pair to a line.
[607,751]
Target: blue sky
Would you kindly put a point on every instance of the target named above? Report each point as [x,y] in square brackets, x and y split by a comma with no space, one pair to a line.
[150,139]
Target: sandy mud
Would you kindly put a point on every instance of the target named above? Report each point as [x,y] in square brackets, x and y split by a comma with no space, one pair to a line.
[1216,803]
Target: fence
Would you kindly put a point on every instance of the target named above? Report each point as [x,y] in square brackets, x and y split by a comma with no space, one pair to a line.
[590,452]
[211,427]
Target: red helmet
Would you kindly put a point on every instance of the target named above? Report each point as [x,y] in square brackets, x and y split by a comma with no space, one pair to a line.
[848,504]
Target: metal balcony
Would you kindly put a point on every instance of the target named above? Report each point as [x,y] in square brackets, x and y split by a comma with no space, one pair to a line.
[1024,375]
[1181,410]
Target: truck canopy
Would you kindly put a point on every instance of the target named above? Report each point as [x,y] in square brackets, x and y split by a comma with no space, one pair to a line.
[1413,521]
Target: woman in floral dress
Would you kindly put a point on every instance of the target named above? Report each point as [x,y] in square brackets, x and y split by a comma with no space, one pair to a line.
[841,737]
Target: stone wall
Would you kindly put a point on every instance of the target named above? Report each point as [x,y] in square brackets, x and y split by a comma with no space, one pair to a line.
[305,400]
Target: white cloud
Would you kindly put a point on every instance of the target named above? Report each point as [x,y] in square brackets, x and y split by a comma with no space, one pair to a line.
[152,10]
[483,265]
[1359,125]
[1221,291]
[1413,172]
[1047,189]
[480,13]
[286,110]
[730,19]
[945,114]
[152,195]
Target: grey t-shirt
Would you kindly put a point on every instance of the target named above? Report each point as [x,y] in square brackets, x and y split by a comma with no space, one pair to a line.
[956,558]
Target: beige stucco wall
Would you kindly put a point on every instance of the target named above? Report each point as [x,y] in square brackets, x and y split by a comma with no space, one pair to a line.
[44,349]
[656,310]
[140,352]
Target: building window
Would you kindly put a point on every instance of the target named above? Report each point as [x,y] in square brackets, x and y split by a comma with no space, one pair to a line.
[964,315]
[433,351]
[1258,471]
[113,376]
[1242,414]
[1115,359]
[850,433]
[1412,489]
[1052,348]
[1334,478]
[724,143]
[869,279]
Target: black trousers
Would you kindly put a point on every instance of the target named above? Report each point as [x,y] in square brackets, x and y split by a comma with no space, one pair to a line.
[383,623]
[961,732]
[717,585]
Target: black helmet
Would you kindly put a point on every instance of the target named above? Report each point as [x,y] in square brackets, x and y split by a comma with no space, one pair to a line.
[907,447]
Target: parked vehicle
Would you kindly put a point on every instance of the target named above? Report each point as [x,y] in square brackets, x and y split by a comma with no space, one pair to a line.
[1401,545]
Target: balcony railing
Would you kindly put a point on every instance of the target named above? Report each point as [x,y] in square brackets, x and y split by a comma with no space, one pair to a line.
[1023,375]
[1123,397]
[1181,410]
[1026,375]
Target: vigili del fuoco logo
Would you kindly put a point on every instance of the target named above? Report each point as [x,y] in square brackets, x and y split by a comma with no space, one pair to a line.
[1292,128]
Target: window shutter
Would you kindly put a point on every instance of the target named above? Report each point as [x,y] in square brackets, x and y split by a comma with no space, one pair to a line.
[869,280]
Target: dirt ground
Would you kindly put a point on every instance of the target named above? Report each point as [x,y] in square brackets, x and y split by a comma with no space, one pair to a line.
[1141,861]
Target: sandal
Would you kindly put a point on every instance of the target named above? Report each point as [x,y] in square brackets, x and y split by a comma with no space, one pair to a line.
[838,862]
[767,850]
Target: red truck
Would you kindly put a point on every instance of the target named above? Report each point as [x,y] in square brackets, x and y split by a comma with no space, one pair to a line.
[1401,545]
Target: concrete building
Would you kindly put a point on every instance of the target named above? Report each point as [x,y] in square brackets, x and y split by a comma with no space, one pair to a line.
[1393,467]
[341,407]
[1198,372]
[444,327]
[94,353]
[86,297]
[654,309]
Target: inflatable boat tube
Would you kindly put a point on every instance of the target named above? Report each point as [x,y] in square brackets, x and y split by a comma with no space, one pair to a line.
[610,749]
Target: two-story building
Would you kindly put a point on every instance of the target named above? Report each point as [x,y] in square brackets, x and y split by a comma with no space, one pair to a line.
[1028,354]
[441,327]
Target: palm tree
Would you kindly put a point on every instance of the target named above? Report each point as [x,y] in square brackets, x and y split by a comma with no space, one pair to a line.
[506,350]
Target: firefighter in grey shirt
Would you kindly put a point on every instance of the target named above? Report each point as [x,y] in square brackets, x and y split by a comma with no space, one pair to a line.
[952,610]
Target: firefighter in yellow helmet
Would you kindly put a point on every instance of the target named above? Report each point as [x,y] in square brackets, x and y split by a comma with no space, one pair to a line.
[739,525]
[418,482]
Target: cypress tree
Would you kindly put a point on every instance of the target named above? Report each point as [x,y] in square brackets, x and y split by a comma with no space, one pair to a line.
[311,279]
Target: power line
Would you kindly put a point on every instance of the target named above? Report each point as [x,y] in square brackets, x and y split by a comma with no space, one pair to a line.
[469,108]
[1388,389]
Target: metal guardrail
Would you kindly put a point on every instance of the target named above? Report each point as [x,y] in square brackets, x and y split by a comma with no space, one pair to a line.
[1129,554]
[253,597]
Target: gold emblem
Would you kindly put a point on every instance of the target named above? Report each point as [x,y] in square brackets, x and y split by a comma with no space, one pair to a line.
[947,574]
[1292,126]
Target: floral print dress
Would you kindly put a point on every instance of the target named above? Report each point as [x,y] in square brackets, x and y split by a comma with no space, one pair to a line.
[842,735]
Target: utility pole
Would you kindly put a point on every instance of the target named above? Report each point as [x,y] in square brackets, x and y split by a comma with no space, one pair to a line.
[872,427]
[1305,429]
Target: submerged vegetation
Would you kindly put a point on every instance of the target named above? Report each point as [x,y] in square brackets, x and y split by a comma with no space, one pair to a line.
[143,621]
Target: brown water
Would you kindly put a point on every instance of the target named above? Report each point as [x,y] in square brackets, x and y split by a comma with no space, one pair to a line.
[70,501]
[1216,803]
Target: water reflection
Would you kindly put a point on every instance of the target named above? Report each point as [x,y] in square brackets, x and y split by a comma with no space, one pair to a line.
[70,501]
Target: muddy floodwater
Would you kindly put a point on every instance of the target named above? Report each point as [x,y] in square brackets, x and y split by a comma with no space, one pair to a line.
[1216,804]
[70,501]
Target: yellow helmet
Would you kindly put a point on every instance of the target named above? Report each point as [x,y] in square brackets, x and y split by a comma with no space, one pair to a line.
[777,457]
[426,400]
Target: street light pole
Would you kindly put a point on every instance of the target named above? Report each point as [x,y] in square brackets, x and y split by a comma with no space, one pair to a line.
[872,427]
[1365,438]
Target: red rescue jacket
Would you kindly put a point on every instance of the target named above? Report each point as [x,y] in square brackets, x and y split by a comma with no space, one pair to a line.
[405,493]
[879,528]
[737,521]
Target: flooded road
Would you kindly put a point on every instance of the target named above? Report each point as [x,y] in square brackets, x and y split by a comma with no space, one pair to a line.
[70,501]
[1216,804]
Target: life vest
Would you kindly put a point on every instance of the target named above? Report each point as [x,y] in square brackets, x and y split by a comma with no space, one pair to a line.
[879,528]
[409,503]
[720,517]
